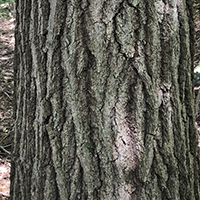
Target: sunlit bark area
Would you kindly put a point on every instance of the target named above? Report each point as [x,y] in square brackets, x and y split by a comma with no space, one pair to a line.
[103,101]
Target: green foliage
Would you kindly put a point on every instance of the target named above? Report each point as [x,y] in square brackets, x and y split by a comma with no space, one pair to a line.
[4,8]
[4,12]
[197,76]
[7,1]
[197,69]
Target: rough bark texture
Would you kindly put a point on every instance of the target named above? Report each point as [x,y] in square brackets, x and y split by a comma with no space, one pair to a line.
[104,104]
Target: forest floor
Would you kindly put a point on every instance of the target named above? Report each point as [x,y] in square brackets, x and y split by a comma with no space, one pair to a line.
[6,92]
[6,79]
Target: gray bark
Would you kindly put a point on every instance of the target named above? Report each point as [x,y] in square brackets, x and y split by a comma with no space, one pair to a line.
[104,103]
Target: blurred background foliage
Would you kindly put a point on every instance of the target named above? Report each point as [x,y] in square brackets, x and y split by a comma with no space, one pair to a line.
[7,1]
[5,8]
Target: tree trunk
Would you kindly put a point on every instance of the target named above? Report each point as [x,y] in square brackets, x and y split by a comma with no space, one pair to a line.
[104,101]
[197,32]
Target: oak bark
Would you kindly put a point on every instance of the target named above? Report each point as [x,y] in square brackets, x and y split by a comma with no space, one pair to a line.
[104,103]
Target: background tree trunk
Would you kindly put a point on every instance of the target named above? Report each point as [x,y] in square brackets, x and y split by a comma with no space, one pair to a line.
[197,32]
[104,103]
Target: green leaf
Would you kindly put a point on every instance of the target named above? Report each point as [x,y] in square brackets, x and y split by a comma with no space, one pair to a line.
[197,69]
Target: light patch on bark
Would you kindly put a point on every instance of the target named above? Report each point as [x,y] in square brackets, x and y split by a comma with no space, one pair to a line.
[125,191]
[123,150]
[51,20]
[160,10]
[48,47]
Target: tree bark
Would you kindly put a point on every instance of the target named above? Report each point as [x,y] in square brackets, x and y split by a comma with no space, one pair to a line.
[104,101]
